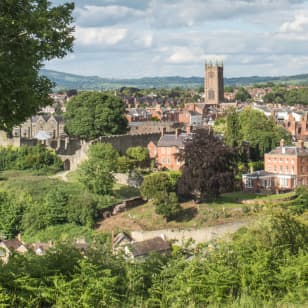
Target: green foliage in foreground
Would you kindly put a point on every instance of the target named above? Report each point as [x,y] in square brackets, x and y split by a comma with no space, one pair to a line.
[37,158]
[263,267]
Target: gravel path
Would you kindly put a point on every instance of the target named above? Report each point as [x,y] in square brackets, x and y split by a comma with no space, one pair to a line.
[198,235]
[61,176]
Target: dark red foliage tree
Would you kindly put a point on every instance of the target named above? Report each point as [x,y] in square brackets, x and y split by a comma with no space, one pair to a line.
[209,166]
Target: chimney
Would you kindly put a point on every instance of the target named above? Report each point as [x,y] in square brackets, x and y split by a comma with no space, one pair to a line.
[163,131]
[177,132]
[300,144]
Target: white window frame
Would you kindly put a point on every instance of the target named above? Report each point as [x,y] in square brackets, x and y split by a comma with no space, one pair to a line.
[283,181]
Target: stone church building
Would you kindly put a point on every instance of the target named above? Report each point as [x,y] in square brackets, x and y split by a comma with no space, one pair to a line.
[214,83]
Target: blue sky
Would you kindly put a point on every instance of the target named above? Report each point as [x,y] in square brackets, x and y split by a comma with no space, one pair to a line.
[136,38]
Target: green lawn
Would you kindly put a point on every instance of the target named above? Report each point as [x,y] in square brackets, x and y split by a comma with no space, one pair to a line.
[233,200]
[38,186]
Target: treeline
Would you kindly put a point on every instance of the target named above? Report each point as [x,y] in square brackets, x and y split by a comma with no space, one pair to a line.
[36,158]
[252,131]
[282,95]
[261,267]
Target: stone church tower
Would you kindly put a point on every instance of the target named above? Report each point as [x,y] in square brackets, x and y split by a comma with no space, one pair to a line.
[214,83]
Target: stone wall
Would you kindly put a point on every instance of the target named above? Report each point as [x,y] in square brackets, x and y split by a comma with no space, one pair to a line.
[151,127]
[73,151]
[123,142]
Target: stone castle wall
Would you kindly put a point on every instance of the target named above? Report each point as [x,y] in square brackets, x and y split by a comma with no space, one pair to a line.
[73,151]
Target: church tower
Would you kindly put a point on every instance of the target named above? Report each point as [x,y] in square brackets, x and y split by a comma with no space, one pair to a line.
[214,83]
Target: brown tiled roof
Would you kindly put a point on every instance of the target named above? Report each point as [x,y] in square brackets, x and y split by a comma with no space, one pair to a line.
[156,244]
[290,151]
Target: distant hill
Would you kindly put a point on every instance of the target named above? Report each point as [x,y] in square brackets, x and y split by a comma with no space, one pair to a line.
[71,81]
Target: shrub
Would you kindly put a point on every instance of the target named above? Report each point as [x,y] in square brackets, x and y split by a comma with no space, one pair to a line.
[36,158]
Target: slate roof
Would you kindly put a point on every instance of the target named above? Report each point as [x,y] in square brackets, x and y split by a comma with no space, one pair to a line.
[169,140]
[156,244]
[296,151]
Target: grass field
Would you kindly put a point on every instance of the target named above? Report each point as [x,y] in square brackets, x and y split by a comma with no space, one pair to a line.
[228,208]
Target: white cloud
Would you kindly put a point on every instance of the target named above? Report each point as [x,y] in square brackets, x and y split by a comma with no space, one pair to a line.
[299,24]
[108,36]
[185,55]
[92,15]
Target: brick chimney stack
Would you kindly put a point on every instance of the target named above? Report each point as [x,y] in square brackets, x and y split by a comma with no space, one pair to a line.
[163,131]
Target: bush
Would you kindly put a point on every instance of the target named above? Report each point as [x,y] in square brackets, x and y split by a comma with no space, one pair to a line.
[154,184]
[36,158]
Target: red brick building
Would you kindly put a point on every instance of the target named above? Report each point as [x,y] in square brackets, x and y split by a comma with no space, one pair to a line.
[285,168]
[167,148]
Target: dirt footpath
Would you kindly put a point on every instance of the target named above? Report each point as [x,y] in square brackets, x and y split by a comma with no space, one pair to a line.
[198,235]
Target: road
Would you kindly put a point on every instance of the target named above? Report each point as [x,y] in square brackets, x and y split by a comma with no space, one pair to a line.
[198,235]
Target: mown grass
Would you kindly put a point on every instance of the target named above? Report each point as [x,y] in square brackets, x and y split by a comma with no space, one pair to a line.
[234,199]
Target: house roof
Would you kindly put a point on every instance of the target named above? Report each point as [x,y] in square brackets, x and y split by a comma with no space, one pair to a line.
[12,244]
[120,237]
[156,244]
[289,150]
[169,140]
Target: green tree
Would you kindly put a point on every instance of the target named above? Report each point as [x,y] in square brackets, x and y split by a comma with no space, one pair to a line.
[232,134]
[242,95]
[32,31]
[96,172]
[11,212]
[154,184]
[93,114]
[167,204]
[260,132]
[139,154]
